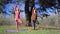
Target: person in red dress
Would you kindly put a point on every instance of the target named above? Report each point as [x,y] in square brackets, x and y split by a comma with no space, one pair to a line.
[17,16]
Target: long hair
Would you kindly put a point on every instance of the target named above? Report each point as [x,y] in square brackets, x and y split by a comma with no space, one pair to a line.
[34,14]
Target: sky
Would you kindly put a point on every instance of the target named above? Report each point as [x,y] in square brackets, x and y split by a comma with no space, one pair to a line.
[9,8]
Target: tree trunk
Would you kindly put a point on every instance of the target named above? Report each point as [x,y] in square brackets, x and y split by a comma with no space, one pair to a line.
[28,13]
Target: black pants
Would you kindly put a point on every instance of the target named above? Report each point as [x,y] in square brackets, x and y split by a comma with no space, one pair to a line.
[34,23]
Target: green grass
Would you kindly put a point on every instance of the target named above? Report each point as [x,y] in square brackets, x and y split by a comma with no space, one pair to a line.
[4,28]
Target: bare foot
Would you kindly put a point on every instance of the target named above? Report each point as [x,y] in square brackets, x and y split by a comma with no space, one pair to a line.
[17,31]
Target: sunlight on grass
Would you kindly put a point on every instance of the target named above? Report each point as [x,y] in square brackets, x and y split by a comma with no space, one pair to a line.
[4,28]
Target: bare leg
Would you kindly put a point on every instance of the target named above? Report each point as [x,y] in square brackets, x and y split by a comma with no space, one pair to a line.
[20,21]
[17,26]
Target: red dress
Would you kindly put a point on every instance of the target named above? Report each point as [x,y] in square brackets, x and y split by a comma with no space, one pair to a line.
[17,15]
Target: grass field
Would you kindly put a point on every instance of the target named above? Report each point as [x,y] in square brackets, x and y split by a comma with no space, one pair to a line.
[40,31]
[47,21]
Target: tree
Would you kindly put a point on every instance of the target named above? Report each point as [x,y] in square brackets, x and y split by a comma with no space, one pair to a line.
[28,13]
[46,3]
[2,3]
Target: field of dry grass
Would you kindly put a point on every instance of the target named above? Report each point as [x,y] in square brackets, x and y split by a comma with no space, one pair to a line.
[50,25]
[50,21]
